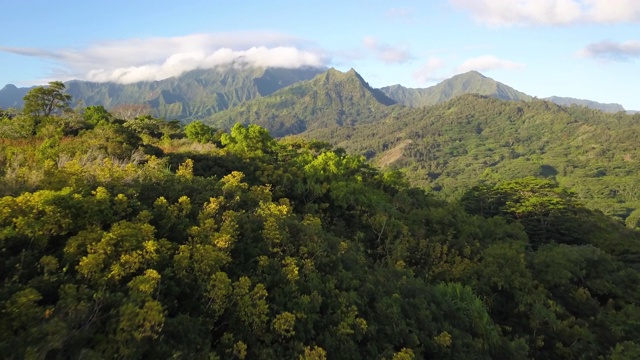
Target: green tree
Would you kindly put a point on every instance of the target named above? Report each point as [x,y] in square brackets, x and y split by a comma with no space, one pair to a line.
[45,101]
[96,114]
[199,132]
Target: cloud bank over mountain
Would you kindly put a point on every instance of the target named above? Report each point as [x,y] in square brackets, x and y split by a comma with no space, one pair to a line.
[148,59]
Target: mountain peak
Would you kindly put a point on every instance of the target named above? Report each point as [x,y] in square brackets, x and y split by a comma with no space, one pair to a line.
[9,87]
[473,73]
[350,82]
[11,96]
[471,82]
[329,99]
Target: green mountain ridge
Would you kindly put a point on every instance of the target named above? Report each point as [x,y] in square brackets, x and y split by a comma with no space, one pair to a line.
[198,94]
[469,82]
[330,99]
[194,94]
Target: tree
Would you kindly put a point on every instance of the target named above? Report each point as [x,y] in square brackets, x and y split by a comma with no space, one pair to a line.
[45,101]
[96,114]
[197,131]
[146,126]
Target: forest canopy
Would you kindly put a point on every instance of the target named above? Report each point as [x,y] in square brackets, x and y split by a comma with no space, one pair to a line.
[142,238]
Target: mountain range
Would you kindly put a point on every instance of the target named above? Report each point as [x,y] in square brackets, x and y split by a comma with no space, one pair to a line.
[198,94]
[447,137]
[194,94]
[463,138]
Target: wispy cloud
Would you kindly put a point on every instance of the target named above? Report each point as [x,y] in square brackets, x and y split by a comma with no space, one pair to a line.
[403,14]
[386,53]
[610,50]
[427,72]
[487,63]
[550,12]
[132,60]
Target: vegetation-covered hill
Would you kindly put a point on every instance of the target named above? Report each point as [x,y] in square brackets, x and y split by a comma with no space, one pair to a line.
[142,239]
[471,82]
[459,143]
[331,99]
[470,139]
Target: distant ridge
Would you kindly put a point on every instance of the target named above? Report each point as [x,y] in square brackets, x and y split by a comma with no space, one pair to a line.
[194,94]
[201,93]
[568,101]
[11,96]
[471,82]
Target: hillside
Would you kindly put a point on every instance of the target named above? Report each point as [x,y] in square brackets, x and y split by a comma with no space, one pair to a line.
[471,82]
[140,239]
[331,99]
[471,138]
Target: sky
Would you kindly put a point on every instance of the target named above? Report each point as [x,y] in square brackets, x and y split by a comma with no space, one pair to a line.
[587,49]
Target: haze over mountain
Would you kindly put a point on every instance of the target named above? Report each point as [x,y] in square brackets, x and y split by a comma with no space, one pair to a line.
[568,101]
[11,96]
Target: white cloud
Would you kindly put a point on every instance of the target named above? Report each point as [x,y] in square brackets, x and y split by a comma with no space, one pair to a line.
[386,53]
[427,72]
[612,11]
[133,60]
[612,50]
[551,12]
[486,63]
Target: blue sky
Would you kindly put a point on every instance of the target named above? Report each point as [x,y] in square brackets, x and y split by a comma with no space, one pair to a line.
[586,49]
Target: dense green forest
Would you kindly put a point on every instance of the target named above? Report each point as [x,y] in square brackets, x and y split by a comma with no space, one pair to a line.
[457,144]
[144,238]
[460,143]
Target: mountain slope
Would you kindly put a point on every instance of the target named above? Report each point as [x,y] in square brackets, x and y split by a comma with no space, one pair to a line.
[329,100]
[471,82]
[568,101]
[194,94]
[471,138]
